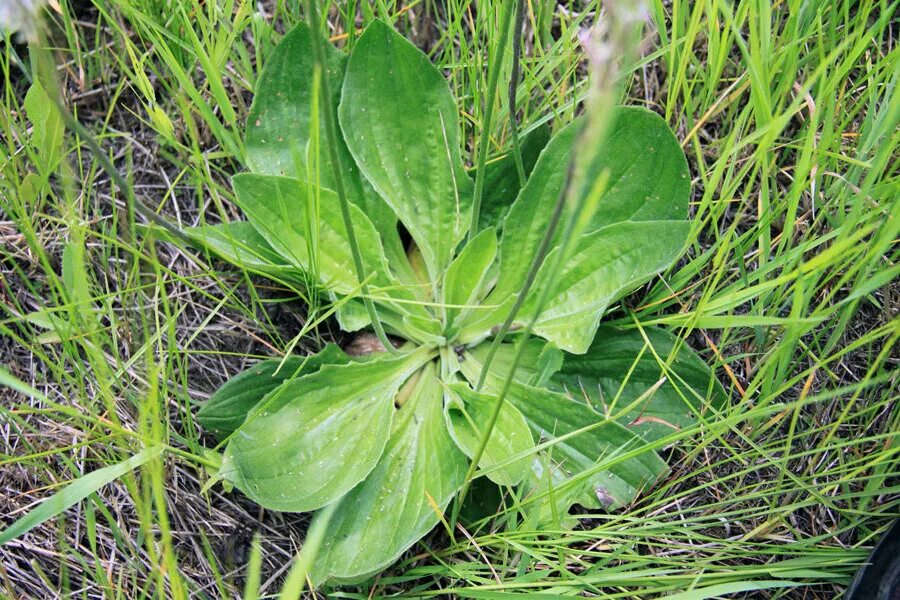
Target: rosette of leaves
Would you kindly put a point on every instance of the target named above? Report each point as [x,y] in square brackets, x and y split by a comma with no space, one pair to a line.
[388,437]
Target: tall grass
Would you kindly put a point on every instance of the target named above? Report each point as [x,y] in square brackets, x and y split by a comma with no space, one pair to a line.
[111,333]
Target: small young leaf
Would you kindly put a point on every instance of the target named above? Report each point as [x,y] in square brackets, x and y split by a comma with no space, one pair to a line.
[402,127]
[539,362]
[47,127]
[468,411]
[402,498]
[227,409]
[465,278]
[313,439]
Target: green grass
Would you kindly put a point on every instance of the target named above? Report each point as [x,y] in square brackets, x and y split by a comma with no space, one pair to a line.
[789,116]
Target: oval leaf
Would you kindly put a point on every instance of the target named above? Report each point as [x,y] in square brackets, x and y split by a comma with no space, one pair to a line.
[467,414]
[402,498]
[402,127]
[606,265]
[568,471]
[638,229]
[587,450]
[313,439]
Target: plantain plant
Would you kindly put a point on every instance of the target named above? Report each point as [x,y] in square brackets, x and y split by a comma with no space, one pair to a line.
[389,436]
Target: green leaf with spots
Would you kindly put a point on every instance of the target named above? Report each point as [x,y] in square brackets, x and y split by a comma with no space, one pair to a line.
[467,414]
[401,499]
[638,230]
[622,364]
[605,266]
[281,123]
[227,409]
[591,461]
[402,127]
[311,440]
[568,472]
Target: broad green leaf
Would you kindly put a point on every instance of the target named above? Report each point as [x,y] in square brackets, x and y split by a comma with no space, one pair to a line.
[227,409]
[400,500]
[606,265]
[313,439]
[276,206]
[240,244]
[465,278]
[280,124]
[467,414]
[575,459]
[619,364]
[638,229]
[552,415]
[401,124]
[75,492]
[501,179]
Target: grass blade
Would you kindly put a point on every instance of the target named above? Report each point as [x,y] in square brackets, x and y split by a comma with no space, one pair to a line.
[75,492]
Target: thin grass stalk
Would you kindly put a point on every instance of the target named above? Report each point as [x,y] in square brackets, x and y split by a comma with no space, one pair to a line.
[536,263]
[483,142]
[96,149]
[332,142]
[518,26]
[620,40]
